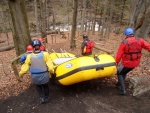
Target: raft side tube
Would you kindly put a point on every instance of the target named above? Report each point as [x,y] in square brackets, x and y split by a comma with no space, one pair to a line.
[85,68]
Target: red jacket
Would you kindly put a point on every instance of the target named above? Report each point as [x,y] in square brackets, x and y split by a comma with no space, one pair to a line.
[126,61]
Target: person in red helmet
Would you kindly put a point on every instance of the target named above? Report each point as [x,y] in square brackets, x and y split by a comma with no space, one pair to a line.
[29,51]
[42,47]
[41,40]
[129,53]
[29,48]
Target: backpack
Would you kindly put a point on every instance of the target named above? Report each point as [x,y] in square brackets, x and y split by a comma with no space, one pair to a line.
[89,46]
[133,49]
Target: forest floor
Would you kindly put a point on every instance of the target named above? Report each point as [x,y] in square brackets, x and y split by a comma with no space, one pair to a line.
[95,96]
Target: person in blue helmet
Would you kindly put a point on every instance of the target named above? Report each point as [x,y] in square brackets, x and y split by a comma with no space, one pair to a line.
[29,51]
[129,53]
[39,64]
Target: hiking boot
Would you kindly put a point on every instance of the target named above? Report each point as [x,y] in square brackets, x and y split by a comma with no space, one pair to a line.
[42,100]
[46,99]
[122,92]
[117,85]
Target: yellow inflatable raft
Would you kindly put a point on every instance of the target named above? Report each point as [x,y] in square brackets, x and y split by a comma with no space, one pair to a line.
[85,68]
[54,56]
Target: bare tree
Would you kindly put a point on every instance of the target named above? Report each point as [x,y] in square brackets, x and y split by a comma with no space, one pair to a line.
[21,34]
[83,15]
[103,20]
[135,13]
[36,16]
[73,31]
[143,31]
[122,10]
[53,13]
[43,18]
[110,17]
[95,16]
[142,18]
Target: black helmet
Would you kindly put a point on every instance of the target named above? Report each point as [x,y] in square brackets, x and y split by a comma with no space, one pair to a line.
[85,36]
[36,43]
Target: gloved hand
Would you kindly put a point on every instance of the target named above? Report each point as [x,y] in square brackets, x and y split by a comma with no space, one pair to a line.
[20,74]
[22,59]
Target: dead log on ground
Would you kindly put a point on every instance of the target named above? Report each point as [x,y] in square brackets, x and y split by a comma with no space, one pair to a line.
[40,34]
[14,66]
[99,48]
[2,41]
[6,48]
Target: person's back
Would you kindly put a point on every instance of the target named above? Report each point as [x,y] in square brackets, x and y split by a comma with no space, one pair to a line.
[39,64]
[87,46]
[129,53]
[29,51]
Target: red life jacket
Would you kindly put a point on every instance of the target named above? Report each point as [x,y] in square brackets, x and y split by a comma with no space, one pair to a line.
[133,49]
[89,46]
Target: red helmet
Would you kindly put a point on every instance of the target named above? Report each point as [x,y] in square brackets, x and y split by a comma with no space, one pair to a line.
[40,39]
[29,48]
[42,48]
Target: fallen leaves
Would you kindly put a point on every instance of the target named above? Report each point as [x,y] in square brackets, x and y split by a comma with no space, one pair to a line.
[9,86]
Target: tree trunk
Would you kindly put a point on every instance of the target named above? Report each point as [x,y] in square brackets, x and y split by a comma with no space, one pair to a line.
[143,31]
[46,8]
[68,13]
[36,16]
[122,11]
[6,48]
[103,20]
[135,13]
[21,35]
[146,6]
[83,16]
[53,13]
[43,16]
[95,17]
[110,18]
[75,7]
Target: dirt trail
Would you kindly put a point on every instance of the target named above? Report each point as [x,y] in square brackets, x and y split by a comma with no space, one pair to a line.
[89,97]
[96,96]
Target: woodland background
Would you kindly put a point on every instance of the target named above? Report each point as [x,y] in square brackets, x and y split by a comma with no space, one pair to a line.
[59,22]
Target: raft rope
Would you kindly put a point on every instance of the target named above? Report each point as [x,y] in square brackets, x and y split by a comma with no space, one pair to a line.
[97,67]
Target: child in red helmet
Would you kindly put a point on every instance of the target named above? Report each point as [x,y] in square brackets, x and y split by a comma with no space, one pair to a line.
[29,51]
[42,47]
[29,48]
[41,40]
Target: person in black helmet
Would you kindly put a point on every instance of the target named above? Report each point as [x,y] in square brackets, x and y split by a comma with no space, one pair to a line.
[87,46]
[39,64]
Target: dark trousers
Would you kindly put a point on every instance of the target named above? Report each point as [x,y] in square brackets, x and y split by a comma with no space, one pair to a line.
[122,72]
[43,90]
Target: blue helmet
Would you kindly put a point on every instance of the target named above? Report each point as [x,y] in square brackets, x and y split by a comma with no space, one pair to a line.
[22,59]
[129,31]
[36,43]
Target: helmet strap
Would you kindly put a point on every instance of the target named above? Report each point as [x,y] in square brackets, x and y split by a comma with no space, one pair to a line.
[129,35]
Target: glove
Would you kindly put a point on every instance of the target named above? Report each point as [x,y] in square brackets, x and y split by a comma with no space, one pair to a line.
[22,59]
[20,74]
